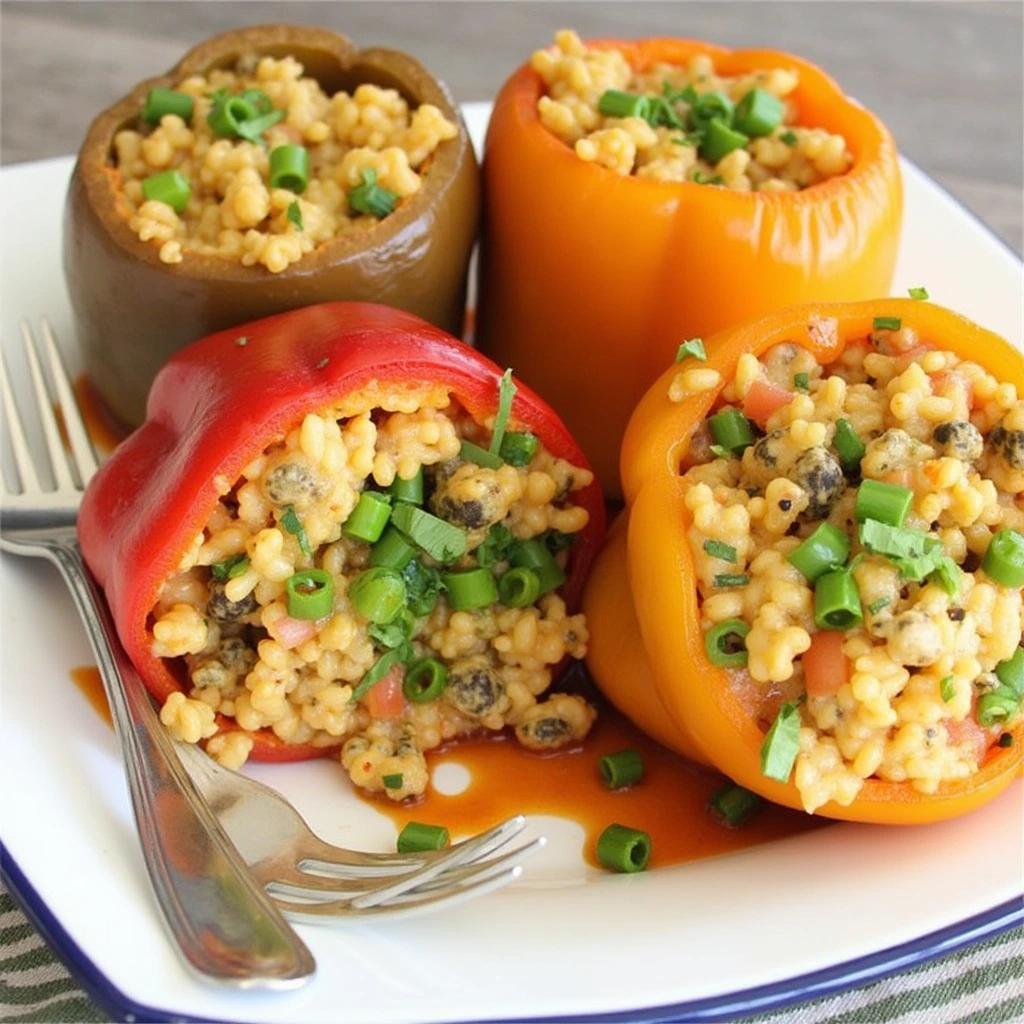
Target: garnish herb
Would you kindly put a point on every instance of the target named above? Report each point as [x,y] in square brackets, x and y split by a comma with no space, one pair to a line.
[887,323]
[425,680]
[393,781]
[418,838]
[947,689]
[498,540]
[380,668]
[718,549]
[725,644]
[724,580]
[295,215]
[918,293]
[518,447]
[789,138]
[422,586]
[441,540]
[733,805]
[782,743]
[310,594]
[876,606]
[506,392]
[370,198]
[623,768]
[230,568]
[293,524]
[620,848]
[713,179]
[802,381]
[694,348]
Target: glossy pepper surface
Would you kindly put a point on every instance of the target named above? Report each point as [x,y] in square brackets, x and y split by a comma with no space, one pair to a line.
[132,311]
[221,401]
[591,279]
[645,580]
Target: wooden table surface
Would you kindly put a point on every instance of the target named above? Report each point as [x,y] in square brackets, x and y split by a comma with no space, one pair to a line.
[946,77]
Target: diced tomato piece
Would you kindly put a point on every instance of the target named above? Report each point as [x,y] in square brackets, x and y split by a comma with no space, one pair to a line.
[763,399]
[956,387]
[970,733]
[826,668]
[289,632]
[385,698]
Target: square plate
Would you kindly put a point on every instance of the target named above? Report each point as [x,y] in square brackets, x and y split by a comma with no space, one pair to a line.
[707,940]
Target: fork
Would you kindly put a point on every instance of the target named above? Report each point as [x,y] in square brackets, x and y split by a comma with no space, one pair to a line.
[328,881]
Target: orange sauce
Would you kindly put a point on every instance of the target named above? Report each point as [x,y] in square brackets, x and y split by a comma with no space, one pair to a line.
[104,432]
[669,804]
[87,679]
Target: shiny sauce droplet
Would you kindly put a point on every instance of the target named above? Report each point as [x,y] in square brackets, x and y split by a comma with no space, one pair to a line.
[87,679]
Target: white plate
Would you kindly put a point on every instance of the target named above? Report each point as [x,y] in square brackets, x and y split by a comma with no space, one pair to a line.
[707,940]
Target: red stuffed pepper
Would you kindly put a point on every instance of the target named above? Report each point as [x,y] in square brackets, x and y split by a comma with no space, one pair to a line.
[340,527]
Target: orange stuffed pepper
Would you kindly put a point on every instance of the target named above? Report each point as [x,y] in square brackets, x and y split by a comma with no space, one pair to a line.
[819,589]
[642,193]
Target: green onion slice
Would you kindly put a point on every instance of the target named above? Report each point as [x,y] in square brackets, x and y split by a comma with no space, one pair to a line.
[825,549]
[719,549]
[441,540]
[730,579]
[781,744]
[370,198]
[419,838]
[293,524]
[519,587]
[710,107]
[947,689]
[310,594]
[802,381]
[410,490]
[295,215]
[378,594]
[624,849]
[170,187]
[393,550]
[252,131]
[1005,740]
[731,429]
[394,781]
[289,167]
[506,392]
[230,568]
[885,503]
[918,293]
[480,456]
[228,113]
[425,680]
[837,601]
[1011,673]
[1004,559]
[725,644]
[394,633]
[471,589]
[692,349]
[876,606]
[758,113]
[618,103]
[518,447]
[887,323]
[789,138]
[720,140]
[849,447]
[621,769]
[495,546]
[160,102]
[997,707]
[369,517]
[534,554]
[733,805]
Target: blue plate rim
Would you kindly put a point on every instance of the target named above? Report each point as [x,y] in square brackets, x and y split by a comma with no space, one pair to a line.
[712,1010]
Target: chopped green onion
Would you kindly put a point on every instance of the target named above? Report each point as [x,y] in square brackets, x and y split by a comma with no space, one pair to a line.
[718,549]
[392,551]
[471,589]
[624,849]
[918,293]
[1004,559]
[534,554]
[519,587]
[947,575]
[758,113]
[310,594]
[692,349]
[170,187]
[837,601]
[394,633]
[887,323]
[726,579]
[506,392]
[480,456]
[230,568]
[789,138]
[422,585]
[827,548]
[295,215]
[518,447]
[731,429]
[720,140]
[252,131]
[160,102]
[419,838]
[228,113]
[378,594]
[394,781]
[711,179]
[802,381]
[1011,672]
[733,805]
[849,447]
[425,680]
[441,540]
[293,524]
[885,503]
[781,744]
[380,668]
[876,606]
[947,689]
[370,198]
[710,108]
[410,491]
[1005,740]
[996,707]
[497,542]
[719,452]
[725,644]
[259,99]
[289,167]
[617,103]
[369,517]
[556,541]
[621,769]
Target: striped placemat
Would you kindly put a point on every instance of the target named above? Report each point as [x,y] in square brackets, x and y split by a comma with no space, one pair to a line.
[983,984]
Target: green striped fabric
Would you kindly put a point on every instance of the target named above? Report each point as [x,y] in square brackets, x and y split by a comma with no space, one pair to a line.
[981,985]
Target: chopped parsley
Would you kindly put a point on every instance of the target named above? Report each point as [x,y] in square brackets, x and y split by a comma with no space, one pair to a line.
[293,524]
[694,348]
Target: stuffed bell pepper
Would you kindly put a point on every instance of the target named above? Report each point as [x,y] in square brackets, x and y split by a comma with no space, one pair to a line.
[273,167]
[821,577]
[674,188]
[342,528]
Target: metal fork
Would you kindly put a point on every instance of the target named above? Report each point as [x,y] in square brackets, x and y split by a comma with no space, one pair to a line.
[274,841]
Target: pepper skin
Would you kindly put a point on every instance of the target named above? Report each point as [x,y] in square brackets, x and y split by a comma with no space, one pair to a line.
[218,403]
[651,588]
[133,312]
[590,280]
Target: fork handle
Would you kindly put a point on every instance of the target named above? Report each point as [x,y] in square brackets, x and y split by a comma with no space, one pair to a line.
[224,923]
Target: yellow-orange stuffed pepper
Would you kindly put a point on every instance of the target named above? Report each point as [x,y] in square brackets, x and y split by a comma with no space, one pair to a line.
[591,277]
[820,589]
